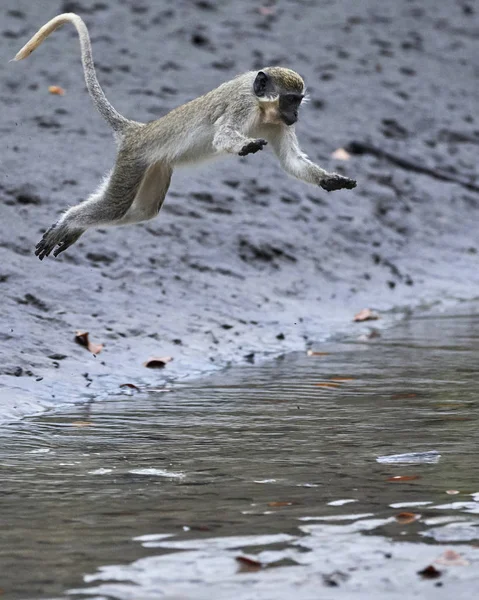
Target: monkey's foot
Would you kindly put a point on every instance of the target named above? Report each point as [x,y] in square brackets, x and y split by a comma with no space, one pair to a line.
[252,147]
[337,182]
[56,236]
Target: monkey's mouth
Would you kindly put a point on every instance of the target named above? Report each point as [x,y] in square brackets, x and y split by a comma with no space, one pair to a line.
[289,120]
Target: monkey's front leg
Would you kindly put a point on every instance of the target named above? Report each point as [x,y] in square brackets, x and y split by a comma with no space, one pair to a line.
[296,163]
[301,167]
[228,139]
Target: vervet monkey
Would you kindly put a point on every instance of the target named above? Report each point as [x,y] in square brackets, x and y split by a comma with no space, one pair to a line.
[240,117]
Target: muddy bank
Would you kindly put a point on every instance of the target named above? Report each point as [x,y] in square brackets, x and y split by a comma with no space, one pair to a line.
[242,260]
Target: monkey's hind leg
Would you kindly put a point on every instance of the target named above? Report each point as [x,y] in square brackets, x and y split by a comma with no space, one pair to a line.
[56,235]
[106,206]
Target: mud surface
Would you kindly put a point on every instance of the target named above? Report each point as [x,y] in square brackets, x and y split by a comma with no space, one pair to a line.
[242,260]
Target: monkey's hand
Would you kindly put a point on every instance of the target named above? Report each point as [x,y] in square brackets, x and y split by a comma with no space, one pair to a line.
[252,147]
[337,182]
[57,235]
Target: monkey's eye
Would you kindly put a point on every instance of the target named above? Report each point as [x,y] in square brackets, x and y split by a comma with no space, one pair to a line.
[292,100]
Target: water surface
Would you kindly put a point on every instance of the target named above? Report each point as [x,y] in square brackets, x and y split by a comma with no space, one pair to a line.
[156,495]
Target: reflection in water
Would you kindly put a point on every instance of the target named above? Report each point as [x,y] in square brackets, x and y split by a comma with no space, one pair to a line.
[261,462]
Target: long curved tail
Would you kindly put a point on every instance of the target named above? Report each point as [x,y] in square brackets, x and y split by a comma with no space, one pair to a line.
[112,116]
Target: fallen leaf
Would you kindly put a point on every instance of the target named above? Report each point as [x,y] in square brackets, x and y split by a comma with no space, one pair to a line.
[341,154]
[157,362]
[248,564]
[314,353]
[327,385]
[452,558]
[57,90]
[366,314]
[341,378]
[373,334]
[266,11]
[82,424]
[404,478]
[200,528]
[429,572]
[452,492]
[131,386]
[81,337]
[281,503]
[406,517]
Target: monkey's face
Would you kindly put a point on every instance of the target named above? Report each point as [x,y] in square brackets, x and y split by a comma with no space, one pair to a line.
[288,107]
[280,91]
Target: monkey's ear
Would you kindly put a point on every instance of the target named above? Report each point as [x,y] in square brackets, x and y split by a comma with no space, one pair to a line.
[261,84]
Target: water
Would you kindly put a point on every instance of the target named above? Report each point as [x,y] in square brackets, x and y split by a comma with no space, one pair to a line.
[163,491]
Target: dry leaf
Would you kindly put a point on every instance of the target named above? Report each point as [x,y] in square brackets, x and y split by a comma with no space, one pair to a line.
[404,478]
[81,337]
[249,564]
[157,362]
[451,558]
[281,504]
[82,424]
[327,385]
[266,11]
[341,154]
[373,334]
[314,353]
[406,517]
[366,314]
[131,386]
[57,90]
[429,572]
[452,492]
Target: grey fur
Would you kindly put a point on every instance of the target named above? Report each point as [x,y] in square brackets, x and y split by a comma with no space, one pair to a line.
[228,120]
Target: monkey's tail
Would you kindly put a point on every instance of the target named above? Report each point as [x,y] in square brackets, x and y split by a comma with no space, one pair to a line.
[112,116]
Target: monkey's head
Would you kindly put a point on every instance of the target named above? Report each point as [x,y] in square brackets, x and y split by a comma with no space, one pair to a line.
[280,92]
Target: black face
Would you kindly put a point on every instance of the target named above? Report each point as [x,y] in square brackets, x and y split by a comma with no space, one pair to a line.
[288,107]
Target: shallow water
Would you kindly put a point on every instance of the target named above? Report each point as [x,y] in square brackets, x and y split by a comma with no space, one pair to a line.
[170,488]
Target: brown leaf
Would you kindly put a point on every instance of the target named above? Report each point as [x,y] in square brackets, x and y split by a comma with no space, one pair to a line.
[327,384]
[341,154]
[131,386]
[451,558]
[452,492]
[429,572]
[82,424]
[81,337]
[57,90]
[406,517]
[266,11]
[157,362]
[314,353]
[281,503]
[366,314]
[248,564]
[404,478]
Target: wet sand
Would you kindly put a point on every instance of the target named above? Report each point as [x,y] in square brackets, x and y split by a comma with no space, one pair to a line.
[243,261]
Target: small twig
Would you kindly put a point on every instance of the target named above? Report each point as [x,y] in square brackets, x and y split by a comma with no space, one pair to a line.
[408,164]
